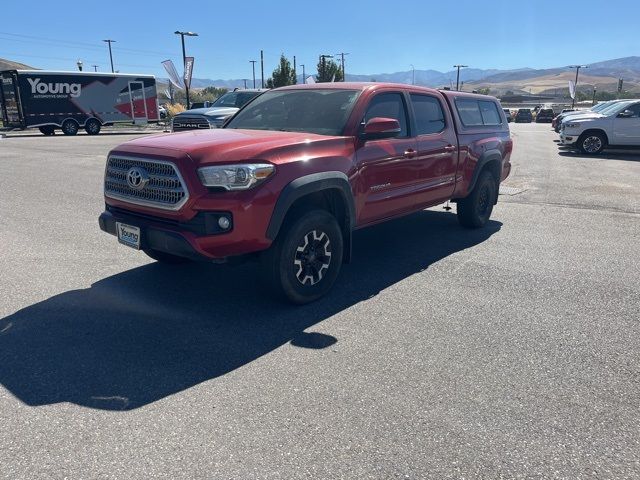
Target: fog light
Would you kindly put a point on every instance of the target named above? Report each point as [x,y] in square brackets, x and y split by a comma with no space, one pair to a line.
[224,223]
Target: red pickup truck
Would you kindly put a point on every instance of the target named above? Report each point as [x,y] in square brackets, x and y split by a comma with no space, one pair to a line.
[293,173]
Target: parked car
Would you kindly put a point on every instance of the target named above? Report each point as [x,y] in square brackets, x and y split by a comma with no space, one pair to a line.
[162,111]
[507,113]
[292,174]
[555,124]
[215,114]
[545,115]
[615,126]
[524,115]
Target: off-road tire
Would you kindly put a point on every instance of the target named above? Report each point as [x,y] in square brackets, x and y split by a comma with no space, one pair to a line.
[305,259]
[70,127]
[591,143]
[475,209]
[167,258]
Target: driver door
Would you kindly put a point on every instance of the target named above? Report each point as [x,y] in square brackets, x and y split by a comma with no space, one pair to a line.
[626,130]
[388,168]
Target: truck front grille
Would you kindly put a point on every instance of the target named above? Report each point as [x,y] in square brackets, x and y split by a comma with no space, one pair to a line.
[152,183]
[183,122]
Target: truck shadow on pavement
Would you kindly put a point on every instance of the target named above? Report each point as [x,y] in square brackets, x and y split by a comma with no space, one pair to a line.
[141,335]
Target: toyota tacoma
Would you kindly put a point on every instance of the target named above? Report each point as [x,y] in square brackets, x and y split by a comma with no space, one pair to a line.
[298,169]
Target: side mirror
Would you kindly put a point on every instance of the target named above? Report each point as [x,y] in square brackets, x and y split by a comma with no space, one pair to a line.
[626,114]
[379,127]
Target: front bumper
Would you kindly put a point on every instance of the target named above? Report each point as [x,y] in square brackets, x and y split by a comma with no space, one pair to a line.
[176,238]
[568,139]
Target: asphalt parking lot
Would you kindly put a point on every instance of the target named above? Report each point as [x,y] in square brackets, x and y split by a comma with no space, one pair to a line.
[508,352]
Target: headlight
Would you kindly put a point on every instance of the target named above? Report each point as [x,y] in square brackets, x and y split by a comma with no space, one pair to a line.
[235,177]
[571,125]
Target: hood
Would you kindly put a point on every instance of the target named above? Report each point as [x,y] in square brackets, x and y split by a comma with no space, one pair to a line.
[582,116]
[210,111]
[231,145]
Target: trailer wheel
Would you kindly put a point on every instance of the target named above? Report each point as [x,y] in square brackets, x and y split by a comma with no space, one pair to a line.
[70,127]
[92,127]
[47,130]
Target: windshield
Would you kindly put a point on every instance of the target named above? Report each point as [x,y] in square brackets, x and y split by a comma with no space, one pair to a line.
[614,108]
[320,111]
[600,106]
[234,99]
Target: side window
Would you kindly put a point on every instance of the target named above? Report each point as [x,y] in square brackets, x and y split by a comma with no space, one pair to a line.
[635,109]
[489,111]
[429,114]
[388,105]
[469,112]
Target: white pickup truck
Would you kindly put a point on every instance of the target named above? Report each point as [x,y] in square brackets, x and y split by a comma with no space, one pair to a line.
[617,126]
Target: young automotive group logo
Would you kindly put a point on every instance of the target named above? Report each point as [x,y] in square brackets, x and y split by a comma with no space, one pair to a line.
[41,89]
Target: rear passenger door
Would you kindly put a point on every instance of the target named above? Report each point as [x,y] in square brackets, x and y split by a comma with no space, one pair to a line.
[388,168]
[437,149]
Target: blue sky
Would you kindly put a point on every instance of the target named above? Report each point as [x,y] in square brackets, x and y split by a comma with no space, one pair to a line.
[381,37]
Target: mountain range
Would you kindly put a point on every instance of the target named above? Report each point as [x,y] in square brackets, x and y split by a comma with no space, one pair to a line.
[601,75]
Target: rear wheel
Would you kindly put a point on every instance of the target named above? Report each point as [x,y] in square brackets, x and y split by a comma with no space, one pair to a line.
[167,258]
[304,261]
[591,143]
[70,127]
[47,130]
[92,127]
[475,209]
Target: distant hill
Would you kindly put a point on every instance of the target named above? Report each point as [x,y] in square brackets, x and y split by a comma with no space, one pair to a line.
[9,65]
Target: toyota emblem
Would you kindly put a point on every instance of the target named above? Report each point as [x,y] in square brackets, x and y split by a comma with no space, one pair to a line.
[137,178]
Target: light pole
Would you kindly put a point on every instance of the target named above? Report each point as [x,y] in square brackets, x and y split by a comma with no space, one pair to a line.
[295,73]
[79,63]
[253,67]
[593,102]
[262,68]
[413,74]
[342,54]
[95,68]
[575,85]
[304,77]
[458,76]
[184,59]
[110,55]
[324,63]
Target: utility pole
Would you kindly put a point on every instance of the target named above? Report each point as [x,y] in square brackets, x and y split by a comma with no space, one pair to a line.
[413,74]
[575,85]
[304,77]
[253,68]
[262,66]
[458,77]
[110,55]
[184,59]
[295,74]
[342,54]
[245,83]
[95,68]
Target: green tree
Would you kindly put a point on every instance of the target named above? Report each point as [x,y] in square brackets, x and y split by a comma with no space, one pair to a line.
[484,91]
[328,71]
[283,74]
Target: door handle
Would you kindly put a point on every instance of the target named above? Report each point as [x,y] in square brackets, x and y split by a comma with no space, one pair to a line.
[450,148]
[409,153]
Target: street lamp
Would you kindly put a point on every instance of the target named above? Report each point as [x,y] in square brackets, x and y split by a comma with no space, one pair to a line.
[110,55]
[458,77]
[413,74]
[594,96]
[253,67]
[184,58]
[575,85]
[79,63]
[324,63]
[95,68]
[304,77]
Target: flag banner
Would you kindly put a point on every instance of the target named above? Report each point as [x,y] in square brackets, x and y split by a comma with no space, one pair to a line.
[174,78]
[572,89]
[188,71]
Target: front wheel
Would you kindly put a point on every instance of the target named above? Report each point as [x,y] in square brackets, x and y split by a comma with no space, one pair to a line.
[475,209]
[591,143]
[47,130]
[304,261]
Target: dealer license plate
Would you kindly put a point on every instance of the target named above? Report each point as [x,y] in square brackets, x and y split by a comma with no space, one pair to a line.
[128,235]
